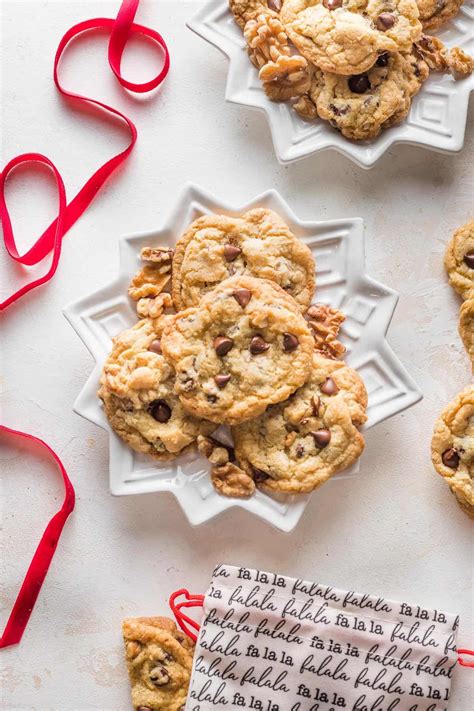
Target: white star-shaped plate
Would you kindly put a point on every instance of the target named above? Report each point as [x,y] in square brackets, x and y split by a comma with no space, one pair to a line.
[437,118]
[338,247]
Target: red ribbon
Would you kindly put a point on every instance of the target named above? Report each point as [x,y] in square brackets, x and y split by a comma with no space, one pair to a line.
[464,663]
[121,29]
[43,556]
[182,619]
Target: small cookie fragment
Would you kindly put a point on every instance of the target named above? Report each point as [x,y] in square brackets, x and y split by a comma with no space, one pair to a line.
[466,328]
[459,260]
[452,448]
[248,329]
[137,390]
[159,661]
[296,445]
[325,323]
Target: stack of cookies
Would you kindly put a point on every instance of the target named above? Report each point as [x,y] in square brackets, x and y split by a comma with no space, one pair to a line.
[355,64]
[452,447]
[235,341]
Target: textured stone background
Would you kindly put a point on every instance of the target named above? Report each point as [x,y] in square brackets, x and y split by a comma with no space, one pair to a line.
[395,530]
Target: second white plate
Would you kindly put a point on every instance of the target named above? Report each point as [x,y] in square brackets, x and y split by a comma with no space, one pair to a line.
[437,117]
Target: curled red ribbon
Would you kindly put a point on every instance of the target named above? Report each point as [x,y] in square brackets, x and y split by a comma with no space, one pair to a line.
[121,30]
[463,662]
[182,619]
[43,556]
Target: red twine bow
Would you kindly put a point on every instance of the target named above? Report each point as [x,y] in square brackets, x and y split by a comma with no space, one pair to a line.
[43,556]
[121,29]
[181,618]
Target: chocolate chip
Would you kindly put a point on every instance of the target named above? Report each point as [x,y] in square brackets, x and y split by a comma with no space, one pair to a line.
[359,83]
[315,404]
[231,252]
[221,380]
[290,342]
[258,345]
[385,21]
[332,4]
[155,346]
[339,110]
[382,61]
[242,296]
[450,458]
[321,438]
[274,5]
[299,450]
[259,476]
[329,387]
[159,676]
[160,411]
[222,345]
[469,259]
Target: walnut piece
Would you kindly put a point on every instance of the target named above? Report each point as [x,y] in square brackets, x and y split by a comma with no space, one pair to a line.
[441,59]
[154,307]
[160,257]
[326,323]
[217,452]
[284,75]
[306,108]
[229,480]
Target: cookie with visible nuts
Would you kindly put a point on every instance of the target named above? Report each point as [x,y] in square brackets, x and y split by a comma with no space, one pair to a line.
[244,347]
[452,448]
[347,36]
[159,661]
[435,13]
[459,260]
[361,106]
[258,244]
[466,328]
[137,391]
[298,444]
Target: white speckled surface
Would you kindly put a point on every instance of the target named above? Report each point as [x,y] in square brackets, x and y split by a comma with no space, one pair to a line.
[395,531]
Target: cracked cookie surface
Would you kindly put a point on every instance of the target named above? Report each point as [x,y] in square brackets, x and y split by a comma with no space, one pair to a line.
[137,390]
[452,448]
[466,328]
[257,244]
[361,106]
[159,661]
[459,260]
[347,36]
[298,444]
[244,347]
[434,13]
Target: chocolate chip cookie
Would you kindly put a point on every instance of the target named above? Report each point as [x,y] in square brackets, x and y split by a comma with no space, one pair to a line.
[159,661]
[347,36]
[466,328]
[434,13]
[459,260]
[361,106]
[258,244]
[244,347]
[137,390]
[298,444]
[452,448]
